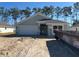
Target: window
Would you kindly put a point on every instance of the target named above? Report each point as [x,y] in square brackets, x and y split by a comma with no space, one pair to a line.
[60,27]
[54,27]
[57,27]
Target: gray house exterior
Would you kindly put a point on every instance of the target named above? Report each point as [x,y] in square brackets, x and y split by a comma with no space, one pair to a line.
[39,24]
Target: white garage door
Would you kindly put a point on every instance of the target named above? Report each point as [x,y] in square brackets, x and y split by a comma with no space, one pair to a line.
[27,30]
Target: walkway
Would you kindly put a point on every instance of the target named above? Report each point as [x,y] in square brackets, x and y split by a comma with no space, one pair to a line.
[61,49]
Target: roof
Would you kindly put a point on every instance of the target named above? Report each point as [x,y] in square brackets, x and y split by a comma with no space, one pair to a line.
[33,18]
[51,21]
[39,17]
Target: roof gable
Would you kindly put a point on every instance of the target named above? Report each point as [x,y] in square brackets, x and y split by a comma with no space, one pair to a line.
[37,18]
[33,19]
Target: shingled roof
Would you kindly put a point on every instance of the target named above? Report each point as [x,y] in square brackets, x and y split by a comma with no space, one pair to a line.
[39,17]
[51,21]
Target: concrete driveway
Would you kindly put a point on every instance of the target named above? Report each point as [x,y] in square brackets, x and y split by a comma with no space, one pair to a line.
[59,48]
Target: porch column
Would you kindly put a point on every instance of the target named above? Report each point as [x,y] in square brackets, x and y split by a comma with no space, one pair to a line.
[38,28]
[50,30]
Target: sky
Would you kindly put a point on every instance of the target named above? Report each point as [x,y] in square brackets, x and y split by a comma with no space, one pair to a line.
[23,5]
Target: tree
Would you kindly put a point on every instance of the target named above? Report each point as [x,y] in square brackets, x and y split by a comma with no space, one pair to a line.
[66,11]
[14,12]
[36,10]
[46,10]
[4,13]
[1,12]
[76,9]
[27,12]
[58,12]
[70,13]
[51,12]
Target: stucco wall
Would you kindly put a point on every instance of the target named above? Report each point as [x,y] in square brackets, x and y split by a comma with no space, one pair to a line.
[50,28]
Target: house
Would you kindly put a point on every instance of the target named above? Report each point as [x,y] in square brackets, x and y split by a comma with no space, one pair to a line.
[39,24]
[75,27]
[5,28]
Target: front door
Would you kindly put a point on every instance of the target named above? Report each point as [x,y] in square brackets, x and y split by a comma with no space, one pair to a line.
[43,29]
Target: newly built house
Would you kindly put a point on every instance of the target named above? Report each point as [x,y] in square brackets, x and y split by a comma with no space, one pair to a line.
[39,24]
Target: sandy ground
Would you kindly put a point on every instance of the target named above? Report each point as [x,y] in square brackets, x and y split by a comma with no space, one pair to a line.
[23,47]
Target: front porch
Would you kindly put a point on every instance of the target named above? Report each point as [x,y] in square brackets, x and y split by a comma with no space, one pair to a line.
[47,29]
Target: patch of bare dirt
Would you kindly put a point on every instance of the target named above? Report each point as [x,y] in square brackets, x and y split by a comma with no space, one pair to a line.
[23,47]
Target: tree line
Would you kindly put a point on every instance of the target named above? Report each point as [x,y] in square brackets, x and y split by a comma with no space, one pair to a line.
[71,12]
